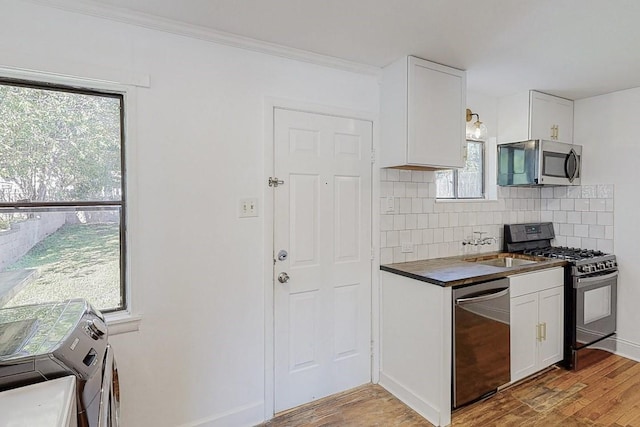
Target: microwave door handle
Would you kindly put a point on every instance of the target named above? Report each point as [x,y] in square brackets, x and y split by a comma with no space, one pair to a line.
[572,158]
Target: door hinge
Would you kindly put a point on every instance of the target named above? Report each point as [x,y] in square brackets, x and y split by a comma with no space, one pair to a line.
[373,156]
[274,182]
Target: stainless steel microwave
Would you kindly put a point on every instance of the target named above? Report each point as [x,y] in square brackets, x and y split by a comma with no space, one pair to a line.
[539,162]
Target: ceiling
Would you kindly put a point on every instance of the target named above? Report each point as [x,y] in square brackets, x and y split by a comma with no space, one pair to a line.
[570,48]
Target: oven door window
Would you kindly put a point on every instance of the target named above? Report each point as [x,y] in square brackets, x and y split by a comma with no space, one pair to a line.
[597,304]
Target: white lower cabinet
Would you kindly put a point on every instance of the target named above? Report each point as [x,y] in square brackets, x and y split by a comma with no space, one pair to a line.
[537,321]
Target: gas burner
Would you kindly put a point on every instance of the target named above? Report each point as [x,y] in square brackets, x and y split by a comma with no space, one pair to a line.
[566,253]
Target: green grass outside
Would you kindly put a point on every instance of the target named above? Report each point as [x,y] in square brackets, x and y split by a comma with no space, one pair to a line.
[77,261]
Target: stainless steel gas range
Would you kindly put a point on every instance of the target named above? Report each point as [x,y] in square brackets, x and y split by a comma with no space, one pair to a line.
[591,290]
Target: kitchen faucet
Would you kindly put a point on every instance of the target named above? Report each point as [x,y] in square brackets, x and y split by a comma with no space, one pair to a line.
[480,240]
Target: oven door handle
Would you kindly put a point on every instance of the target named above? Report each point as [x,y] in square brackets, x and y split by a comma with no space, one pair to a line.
[483,297]
[583,282]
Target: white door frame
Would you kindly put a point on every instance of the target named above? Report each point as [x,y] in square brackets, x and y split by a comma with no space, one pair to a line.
[269,340]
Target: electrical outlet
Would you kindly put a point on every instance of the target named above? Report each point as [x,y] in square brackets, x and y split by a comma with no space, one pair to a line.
[390,204]
[407,247]
[248,208]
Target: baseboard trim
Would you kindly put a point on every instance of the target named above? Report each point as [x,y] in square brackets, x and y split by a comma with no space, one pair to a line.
[247,415]
[625,348]
[410,399]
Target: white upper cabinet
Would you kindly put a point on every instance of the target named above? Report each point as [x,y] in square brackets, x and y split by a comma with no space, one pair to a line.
[423,107]
[535,115]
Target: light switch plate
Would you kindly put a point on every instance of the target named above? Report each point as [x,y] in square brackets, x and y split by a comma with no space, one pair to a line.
[248,208]
[390,204]
[407,247]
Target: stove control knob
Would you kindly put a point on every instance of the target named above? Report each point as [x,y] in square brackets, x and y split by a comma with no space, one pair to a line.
[601,266]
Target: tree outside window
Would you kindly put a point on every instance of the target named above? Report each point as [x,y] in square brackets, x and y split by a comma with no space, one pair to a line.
[62,202]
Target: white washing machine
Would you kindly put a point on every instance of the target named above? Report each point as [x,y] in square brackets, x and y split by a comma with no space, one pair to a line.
[41,342]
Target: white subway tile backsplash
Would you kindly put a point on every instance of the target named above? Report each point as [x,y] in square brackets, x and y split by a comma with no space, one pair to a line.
[605,218]
[399,222]
[386,255]
[589,218]
[454,219]
[608,232]
[411,189]
[399,189]
[605,245]
[609,205]
[398,256]
[566,230]
[596,231]
[597,205]
[567,204]
[405,205]
[393,238]
[582,205]
[560,192]
[416,205]
[416,237]
[589,244]
[443,220]
[580,230]
[423,189]
[574,192]
[582,216]
[605,191]
[546,193]
[386,222]
[560,217]
[422,221]
[574,217]
[427,236]
[433,220]
[546,216]
[553,204]
[411,221]
[589,192]
[393,174]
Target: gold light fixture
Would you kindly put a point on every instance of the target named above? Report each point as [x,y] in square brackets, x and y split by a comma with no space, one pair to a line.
[476,131]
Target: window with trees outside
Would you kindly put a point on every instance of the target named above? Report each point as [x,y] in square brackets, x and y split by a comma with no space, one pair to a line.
[465,183]
[62,199]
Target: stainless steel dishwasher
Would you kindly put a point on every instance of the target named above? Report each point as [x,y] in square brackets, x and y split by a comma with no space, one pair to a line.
[481,344]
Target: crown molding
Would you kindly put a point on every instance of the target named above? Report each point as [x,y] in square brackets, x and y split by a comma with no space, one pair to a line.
[198,32]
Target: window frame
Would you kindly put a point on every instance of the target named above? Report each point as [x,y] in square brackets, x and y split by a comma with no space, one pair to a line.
[93,90]
[455,171]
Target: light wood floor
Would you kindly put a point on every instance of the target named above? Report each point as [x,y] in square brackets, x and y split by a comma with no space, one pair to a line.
[605,394]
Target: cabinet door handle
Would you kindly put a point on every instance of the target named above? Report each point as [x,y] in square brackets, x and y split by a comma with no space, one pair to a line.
[538,333]
[544,331]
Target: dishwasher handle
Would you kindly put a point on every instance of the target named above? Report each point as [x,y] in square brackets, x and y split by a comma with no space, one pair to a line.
[492,294]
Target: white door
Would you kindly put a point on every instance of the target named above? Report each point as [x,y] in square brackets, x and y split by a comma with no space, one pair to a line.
[323,221]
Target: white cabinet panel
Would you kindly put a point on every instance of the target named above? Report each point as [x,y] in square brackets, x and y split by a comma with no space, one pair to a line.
[537,321]
[423,107]
[535,115]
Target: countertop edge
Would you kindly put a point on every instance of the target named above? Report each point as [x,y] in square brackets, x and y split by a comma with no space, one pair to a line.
[471,279]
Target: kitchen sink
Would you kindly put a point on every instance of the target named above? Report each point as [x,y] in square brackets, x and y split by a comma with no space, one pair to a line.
[502,261]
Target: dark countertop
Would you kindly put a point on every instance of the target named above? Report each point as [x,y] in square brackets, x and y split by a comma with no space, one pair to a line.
[462,270]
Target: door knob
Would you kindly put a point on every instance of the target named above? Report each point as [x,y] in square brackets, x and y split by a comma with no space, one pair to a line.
[283,277]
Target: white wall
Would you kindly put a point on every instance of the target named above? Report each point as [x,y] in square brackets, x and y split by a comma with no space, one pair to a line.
[199,147]
[607,127]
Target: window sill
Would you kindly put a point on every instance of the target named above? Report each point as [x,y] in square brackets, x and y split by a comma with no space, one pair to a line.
[465,200]
[122,322]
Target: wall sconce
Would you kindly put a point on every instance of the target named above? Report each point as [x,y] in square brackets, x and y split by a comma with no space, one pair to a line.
[476,131]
